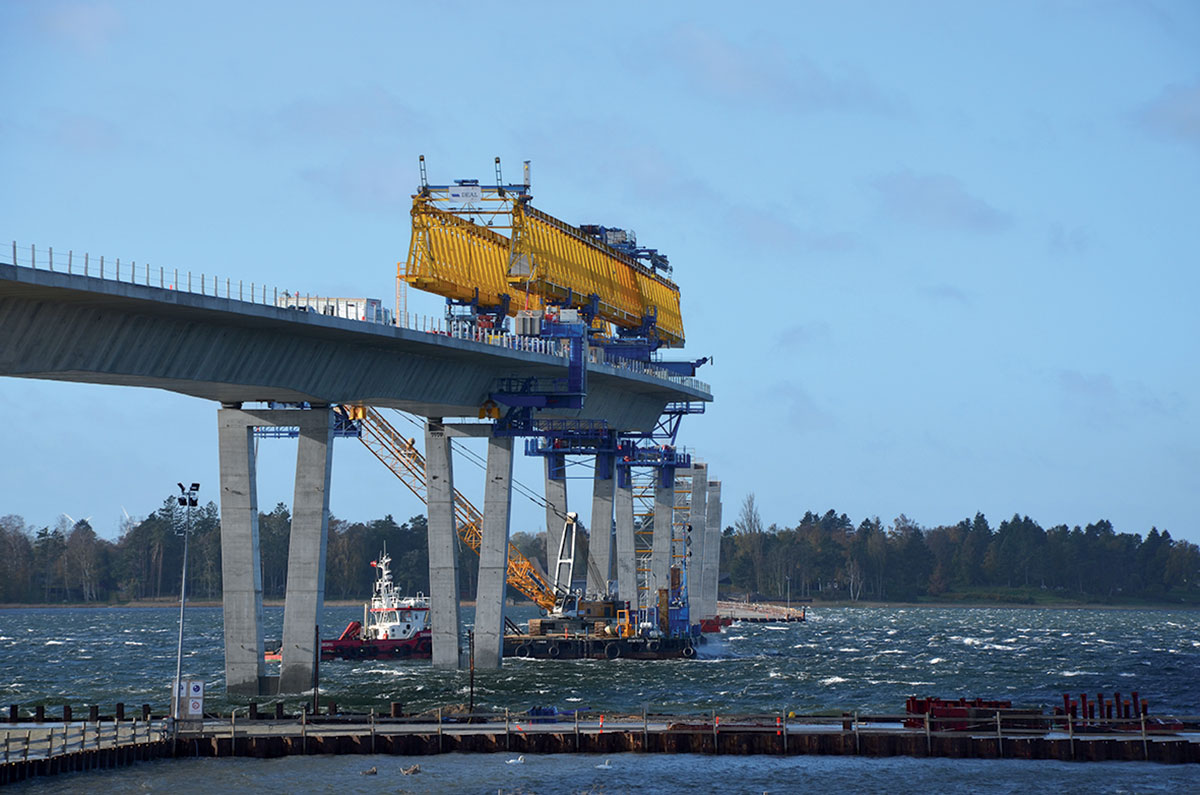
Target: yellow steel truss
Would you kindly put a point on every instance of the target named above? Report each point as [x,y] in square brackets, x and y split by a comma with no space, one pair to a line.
[543,260]
[401,456]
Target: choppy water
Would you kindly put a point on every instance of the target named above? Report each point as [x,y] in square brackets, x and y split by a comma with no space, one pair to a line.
[865,659]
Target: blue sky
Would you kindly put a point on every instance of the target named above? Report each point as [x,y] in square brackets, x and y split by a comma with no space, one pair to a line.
[944,255]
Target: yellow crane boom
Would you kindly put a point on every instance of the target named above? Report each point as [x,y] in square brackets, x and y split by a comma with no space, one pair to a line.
[401,456]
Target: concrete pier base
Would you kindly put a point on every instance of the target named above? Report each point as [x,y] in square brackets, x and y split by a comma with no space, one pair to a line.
[443,562]
[493,555]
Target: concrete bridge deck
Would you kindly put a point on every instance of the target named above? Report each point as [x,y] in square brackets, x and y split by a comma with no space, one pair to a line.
[232,349]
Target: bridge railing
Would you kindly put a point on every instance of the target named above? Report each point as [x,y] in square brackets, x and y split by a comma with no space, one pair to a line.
[208,284]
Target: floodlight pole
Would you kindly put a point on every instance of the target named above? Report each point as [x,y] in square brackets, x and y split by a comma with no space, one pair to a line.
[187,498]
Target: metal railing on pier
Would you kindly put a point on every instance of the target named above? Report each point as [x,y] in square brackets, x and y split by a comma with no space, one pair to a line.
[33,741]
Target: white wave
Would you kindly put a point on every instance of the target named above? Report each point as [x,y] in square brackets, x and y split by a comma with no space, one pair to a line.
[937,660]
[849,649]
[1078,673]
[833,680]
[55,643]
[136,643]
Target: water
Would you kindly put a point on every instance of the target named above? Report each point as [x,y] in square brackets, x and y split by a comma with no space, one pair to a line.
[864,659]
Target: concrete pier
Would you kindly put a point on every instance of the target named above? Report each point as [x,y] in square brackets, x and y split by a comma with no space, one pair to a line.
[443,562]
[662,542]
[556,508]
[712,550]
[696,541]
[241,569]
[493,554]
[626,551]
[601,542]
[305,598]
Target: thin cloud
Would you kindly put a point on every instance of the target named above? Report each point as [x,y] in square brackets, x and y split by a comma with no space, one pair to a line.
[800,335]
[937,200]
[1063,241]
[374,114]
[769,75]
[90,27]
[947,293]
[1174,114]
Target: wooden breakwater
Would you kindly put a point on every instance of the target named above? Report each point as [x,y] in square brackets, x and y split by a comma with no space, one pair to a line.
[32,749]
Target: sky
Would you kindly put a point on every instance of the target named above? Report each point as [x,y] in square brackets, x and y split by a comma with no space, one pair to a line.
[943,254]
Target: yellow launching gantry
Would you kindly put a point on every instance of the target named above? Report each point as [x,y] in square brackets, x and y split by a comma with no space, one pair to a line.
[486,247]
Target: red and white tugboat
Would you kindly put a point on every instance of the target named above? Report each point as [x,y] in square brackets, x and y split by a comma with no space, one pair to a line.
[393,627]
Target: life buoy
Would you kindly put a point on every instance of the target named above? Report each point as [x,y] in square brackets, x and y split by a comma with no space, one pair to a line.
[653,646]
[553,650]
[689,652]
[523,650]
[612,650]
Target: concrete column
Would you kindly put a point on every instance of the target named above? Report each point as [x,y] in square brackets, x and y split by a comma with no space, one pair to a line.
[241,572]
[712,548]
[601,541]
[627,586]
[695,550]
[443,562]
[305,600]
[556,509]
[661,543]
[493,555]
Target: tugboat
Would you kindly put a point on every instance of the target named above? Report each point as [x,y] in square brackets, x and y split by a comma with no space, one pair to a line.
[393,627]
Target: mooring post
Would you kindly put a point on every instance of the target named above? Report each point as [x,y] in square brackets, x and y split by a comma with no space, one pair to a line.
[507,736]
[929,739]
[645,728]
[304,730]
[1070,734]
[1145,742]
[372,730]
[716,742]
[999,736]
[857,736]
[439,730]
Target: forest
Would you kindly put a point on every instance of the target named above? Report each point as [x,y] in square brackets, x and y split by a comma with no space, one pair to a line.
[824,557]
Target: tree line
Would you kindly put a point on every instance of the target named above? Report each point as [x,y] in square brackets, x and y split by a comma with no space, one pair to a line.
[825,556]
[69,563]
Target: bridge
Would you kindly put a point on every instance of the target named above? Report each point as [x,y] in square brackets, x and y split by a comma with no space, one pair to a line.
[239,345]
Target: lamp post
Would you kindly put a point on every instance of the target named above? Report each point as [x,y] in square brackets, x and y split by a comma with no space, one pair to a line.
[187,498]
[789,595]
